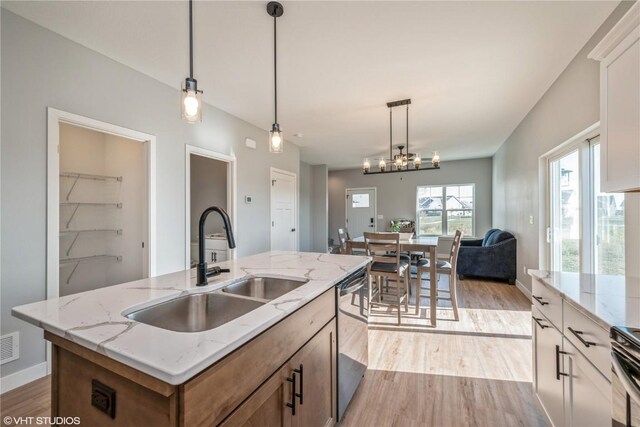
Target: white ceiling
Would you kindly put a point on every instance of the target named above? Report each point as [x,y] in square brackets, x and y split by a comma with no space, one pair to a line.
[473,69]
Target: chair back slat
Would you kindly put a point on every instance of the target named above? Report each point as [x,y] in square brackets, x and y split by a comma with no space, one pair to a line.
[455,248]
[343,236]
[379,244]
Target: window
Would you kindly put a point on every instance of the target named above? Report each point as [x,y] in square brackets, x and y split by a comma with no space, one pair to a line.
[442,209]
[360,200]
[586,227]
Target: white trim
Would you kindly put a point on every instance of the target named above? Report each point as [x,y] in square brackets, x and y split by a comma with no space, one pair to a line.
[295,205]
[25,376]
[54,118]
[230,159]
[522,288]
[375,206]
[619,32]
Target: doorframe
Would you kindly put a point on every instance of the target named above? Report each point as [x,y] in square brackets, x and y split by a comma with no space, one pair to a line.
[54,118]
[273,170]
[230,159]
[375,206]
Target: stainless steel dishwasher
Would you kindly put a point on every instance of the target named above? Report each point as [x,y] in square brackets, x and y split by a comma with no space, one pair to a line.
[353,339]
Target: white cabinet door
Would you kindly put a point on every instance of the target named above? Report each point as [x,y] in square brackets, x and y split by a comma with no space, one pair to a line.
[587,392]
[547,341]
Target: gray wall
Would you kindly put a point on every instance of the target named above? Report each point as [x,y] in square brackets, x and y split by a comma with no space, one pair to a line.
[397,192]
[569,106]
[41,69]
[313,207]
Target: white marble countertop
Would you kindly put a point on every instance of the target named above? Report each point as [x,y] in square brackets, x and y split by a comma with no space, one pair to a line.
[609,300]
[95,320]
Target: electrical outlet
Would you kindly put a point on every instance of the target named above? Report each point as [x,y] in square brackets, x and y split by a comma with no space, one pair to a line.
[531,219]
[103,397]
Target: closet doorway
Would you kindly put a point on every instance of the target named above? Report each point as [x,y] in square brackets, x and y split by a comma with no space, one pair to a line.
[210,181]
[100,204]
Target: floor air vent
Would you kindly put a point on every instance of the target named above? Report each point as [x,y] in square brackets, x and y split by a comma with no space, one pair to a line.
[9,347]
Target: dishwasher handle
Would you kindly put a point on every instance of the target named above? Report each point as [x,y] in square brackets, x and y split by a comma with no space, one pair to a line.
[623,370]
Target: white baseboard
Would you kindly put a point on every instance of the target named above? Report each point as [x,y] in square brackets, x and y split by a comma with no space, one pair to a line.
[23,377]
[523,289]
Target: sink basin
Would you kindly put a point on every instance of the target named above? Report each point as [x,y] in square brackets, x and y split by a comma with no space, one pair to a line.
[196,312]
[264,288]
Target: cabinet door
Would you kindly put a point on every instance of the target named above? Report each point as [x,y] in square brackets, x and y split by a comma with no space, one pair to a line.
[588,393]
[315,369]
[547,341]
[620,116]
[267,406]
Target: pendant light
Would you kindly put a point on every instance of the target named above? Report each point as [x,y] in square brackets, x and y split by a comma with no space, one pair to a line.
[190,99]
[276,139]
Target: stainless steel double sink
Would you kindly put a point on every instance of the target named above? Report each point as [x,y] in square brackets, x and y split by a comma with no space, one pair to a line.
[203,311]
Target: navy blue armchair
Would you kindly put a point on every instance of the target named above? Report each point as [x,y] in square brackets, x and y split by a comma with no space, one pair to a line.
[493,257]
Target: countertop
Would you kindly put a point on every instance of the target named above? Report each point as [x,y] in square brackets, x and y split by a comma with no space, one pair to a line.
[609,300]
[95,320]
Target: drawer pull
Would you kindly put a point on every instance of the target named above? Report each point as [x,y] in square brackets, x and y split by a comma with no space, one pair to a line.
[578,335]
[558,373]
[538,321]
[539,299]
[292,405]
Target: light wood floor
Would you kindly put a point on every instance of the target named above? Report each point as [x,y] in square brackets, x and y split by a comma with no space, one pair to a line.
[474,372]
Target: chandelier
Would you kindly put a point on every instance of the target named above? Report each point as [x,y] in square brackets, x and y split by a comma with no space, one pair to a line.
[402,161]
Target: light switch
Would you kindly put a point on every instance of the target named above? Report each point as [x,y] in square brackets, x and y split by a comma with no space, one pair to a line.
[380,216]
[250,143]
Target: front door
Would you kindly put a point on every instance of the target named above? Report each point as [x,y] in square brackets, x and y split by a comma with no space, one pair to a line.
[283,211]
[361,211]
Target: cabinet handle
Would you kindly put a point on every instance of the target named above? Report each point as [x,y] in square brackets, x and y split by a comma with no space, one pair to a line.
[215,257]
[558,373]
[292,405]
[582,340]
[538,321]
[211,256]
[301,372]
[539,299]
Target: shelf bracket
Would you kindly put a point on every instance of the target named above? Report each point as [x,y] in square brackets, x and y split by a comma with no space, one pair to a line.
[72,215]
[75,181]
[73,243]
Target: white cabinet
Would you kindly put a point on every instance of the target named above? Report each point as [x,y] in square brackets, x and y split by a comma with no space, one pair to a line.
[215,250]
[619,56]
[548,383]
[587,392]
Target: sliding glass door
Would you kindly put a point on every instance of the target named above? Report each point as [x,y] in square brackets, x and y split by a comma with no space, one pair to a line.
[566,205]
[585,232]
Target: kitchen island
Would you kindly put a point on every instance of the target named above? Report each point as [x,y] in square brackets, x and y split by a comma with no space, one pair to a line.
[111,370]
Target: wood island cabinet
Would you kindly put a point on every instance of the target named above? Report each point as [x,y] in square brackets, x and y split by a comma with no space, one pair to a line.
[252,386]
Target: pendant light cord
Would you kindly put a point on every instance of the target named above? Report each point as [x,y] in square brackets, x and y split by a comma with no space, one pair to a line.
[275,71]
[191,39]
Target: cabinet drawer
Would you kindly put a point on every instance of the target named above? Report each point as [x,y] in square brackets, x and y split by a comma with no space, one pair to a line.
[213,256]
[548,302]
[220,244]
[589,338]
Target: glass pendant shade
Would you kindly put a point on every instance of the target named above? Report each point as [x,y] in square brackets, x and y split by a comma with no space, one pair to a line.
[366,166]
[276,139]
[435,160]
[191,102]
[417,161]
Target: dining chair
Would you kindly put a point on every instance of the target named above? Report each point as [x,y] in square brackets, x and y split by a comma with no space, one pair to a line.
[343,236]
[448,268]
[388,269]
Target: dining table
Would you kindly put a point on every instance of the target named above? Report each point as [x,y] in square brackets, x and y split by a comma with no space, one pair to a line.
[425,244]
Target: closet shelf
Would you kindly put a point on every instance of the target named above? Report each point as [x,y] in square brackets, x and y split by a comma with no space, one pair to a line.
[78,232]
[78,175]
[78,204]
[94,230]
[77,261]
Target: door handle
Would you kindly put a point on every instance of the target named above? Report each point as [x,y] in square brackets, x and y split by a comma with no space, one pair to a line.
[292,405]
[558,373]
[301,372]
